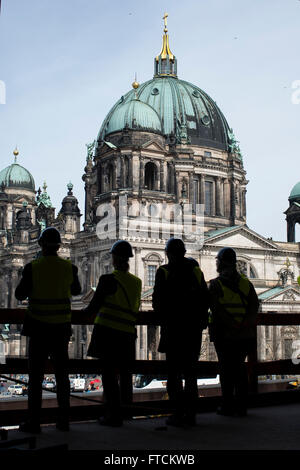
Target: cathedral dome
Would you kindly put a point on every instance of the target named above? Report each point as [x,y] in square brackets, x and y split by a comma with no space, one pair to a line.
[179,105]
[131,114]
[17,177]
[295,193]
[175,107]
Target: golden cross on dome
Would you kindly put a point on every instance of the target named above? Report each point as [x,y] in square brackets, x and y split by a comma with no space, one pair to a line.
[165,21]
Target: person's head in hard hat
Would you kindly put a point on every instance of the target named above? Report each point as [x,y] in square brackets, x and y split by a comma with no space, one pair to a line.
[175,250]
[226,259]
[121,251]
[50,241]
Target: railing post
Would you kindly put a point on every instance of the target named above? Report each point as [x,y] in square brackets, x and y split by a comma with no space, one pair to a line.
[252,368]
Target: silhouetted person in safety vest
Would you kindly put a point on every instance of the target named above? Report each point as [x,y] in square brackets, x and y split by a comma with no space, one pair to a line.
[234,307]
[180,298]
[48,282]
[115,306]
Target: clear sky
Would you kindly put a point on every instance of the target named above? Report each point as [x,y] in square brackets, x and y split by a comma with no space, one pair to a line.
[66,62]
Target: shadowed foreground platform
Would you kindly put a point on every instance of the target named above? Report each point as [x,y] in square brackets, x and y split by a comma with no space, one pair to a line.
[275,428]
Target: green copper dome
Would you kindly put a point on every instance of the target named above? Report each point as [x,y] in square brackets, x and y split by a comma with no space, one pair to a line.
[185,113]
[16,176]
[295,193]
[132,114]
[183,109]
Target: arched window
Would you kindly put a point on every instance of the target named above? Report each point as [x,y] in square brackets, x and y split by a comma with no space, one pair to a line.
[150,176]
[151,274]
[151,263]
[244,267]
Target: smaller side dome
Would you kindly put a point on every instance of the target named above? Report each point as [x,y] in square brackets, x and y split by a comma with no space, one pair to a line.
[134,115]
[16,176]
[295,193]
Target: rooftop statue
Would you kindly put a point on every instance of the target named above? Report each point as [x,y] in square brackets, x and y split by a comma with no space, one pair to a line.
[233,143]
[43,197]
[90,150]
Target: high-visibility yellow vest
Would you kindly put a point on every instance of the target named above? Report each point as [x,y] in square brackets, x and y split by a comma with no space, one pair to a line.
[196,270]
[235,303]
[49,301]
[120,309]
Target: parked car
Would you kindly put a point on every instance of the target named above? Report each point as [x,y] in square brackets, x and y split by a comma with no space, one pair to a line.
[16,389]
[49,385]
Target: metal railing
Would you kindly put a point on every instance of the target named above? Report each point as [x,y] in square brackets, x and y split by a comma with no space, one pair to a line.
[158,367]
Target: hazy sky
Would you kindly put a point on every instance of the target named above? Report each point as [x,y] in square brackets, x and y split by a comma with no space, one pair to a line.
[66,62]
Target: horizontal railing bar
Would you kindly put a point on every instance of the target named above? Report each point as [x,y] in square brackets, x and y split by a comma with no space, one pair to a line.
[207,369]
[15,365]
[16,316]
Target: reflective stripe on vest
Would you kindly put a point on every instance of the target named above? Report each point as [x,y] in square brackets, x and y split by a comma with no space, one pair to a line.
[235,303]
[196,270]
[120,310]
[49,301]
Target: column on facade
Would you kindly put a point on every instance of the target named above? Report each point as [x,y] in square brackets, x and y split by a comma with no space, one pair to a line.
[96,270]
[162,166]
[9,217]
[202,190]
[195,192]
[135,169]
[142,342]
[226,193]
[158,179]
[222,197]
[169,177]
[130,171]
[165,174]
[190,189]
[244,212]
[92,263]
[14,278]
[122,172]
[232,202]
[176,188]
[142,172]
[218,196]
[213,208]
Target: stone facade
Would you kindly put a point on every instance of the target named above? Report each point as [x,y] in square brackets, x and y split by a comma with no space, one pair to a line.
[141,174]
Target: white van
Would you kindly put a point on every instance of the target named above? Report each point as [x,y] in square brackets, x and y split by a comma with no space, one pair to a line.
[78,385]
[15,389]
